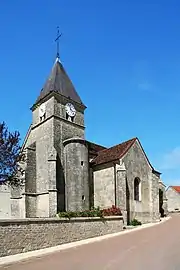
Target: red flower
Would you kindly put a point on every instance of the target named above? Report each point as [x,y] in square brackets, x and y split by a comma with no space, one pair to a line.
[113,211]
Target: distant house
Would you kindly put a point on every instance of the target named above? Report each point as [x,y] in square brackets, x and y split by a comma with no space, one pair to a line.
[173,198]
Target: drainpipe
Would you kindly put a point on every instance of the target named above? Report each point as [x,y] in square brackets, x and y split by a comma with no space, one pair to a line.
[115,185]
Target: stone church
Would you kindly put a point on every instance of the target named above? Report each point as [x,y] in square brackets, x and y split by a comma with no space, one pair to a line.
[65,172]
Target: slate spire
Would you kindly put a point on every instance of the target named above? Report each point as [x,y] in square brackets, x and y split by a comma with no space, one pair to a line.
[59,82]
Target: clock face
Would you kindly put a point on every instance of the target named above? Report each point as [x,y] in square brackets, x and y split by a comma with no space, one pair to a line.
[42,110]
[71,111]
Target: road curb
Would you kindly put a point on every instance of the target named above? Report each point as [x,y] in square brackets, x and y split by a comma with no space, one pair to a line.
[46,251]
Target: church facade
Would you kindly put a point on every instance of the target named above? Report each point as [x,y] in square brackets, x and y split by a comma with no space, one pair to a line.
[65,172]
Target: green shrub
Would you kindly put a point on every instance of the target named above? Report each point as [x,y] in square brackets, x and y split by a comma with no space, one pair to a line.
[93,212]
[135,222]
[67,214]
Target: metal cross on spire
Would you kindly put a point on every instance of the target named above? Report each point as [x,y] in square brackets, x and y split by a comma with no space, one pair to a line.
[57,40]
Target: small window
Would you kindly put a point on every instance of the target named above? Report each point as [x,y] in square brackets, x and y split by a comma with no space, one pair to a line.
[42,118]
[137,189]
[82,163]
[69,118]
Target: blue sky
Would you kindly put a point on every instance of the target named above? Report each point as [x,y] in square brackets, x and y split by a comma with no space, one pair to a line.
[122,56]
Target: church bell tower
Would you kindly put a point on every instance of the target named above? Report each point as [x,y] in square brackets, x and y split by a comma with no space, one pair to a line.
[60,159]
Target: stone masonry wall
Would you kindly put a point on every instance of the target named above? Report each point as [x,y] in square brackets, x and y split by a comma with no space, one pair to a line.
[5,205]
[104,186]
[18,236]
[76,175]
[173,200]
[11,202]
[137,166]
[155,196]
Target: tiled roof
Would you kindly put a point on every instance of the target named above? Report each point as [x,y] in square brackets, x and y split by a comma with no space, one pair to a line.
[59,82]
[113,153]
[177,188]
[95,147]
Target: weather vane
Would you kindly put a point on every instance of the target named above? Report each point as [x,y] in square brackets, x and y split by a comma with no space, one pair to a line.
[57,40]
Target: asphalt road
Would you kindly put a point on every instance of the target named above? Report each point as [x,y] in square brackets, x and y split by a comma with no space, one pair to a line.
[154,248]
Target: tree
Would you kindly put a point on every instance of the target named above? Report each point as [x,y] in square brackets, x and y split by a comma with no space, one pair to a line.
[10,156]
[161,210]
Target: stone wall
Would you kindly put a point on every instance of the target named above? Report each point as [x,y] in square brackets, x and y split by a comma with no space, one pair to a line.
[173,200]
[155,195]
[104,185]
[76,175]
[137,165]
[5,204]
[12,204]
[18,236]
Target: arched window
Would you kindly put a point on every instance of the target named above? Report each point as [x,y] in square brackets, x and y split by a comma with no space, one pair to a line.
[137,189]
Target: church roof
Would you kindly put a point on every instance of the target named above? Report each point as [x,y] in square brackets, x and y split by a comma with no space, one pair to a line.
[59,82]
[113,153]
[177,188]
[94,148]
[117,152]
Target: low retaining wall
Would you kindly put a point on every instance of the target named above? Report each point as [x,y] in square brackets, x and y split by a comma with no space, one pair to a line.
[18,236]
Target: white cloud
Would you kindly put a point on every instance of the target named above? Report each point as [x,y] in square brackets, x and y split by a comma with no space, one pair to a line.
[171,160]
